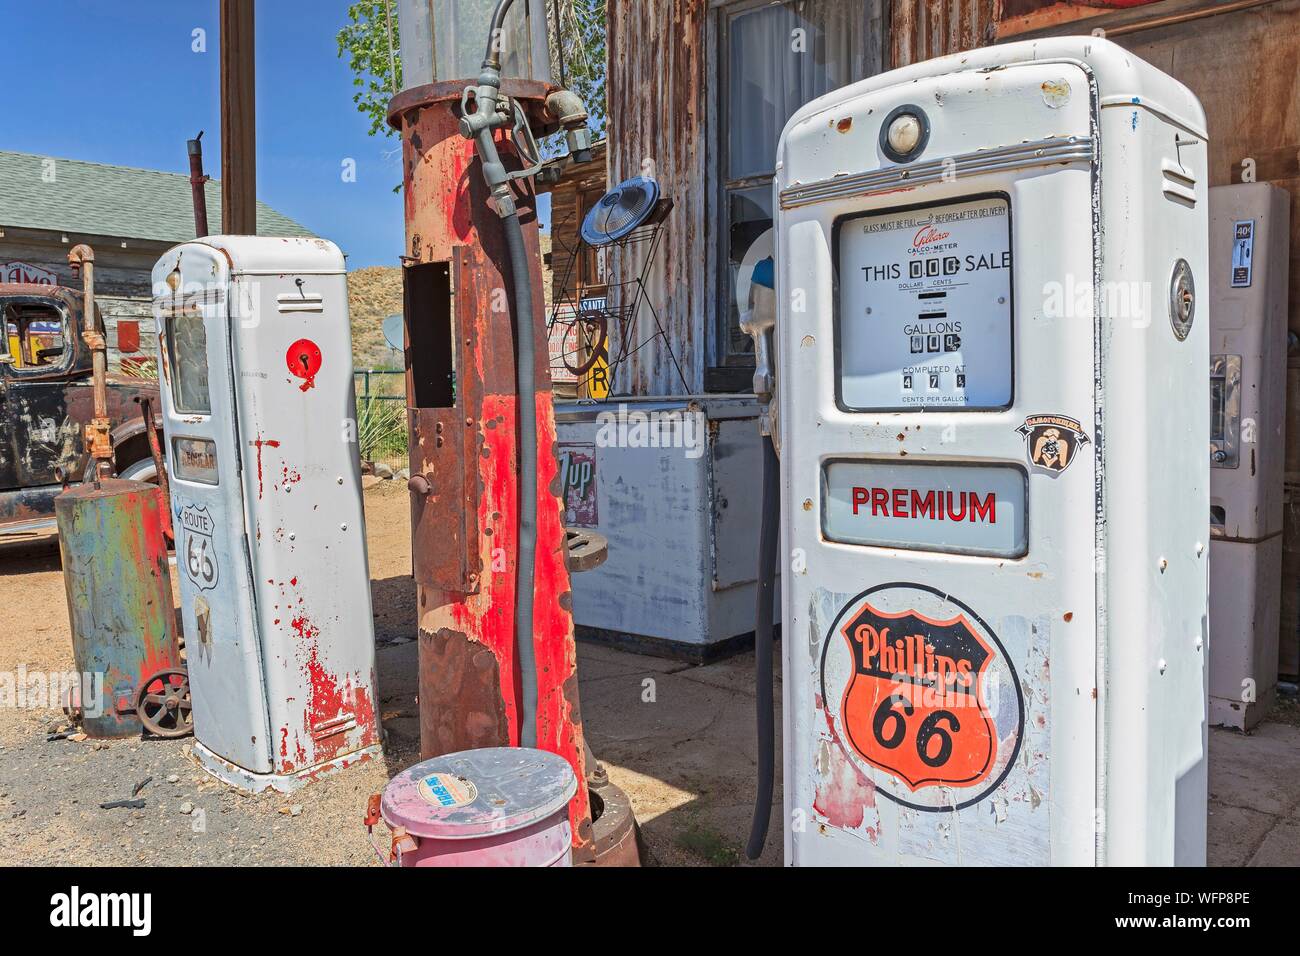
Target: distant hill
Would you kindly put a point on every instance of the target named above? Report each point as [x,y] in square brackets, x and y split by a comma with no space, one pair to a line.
[374,293]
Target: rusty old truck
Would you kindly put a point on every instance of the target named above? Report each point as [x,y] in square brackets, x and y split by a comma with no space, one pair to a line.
[46,401]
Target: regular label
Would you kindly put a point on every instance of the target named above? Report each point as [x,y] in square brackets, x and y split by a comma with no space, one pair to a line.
[922,696]
[962,509]
[925,307]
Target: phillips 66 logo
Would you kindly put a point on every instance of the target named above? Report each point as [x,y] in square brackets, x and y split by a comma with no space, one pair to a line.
[197,553]
[922,697]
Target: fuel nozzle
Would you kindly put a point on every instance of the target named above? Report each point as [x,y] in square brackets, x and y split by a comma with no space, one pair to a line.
[491,112]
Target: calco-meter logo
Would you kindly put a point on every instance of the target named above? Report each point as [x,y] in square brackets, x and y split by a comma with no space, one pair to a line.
[922,696]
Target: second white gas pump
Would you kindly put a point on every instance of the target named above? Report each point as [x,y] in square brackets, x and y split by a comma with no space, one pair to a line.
[256,363]
[992,343]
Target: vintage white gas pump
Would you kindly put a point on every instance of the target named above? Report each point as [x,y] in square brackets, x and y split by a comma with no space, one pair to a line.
[993,412]
[1250,233]
[260,421]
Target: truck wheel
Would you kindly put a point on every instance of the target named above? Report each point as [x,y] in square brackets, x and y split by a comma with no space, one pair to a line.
[145,471]
[140,471]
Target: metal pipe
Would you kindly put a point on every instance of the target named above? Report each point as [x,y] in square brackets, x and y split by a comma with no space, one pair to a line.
[764,644]
[98,439]
[559,43]
[197,181]
[1175,18]
[392,58]
[492,58]
[159,466]
[1136,26]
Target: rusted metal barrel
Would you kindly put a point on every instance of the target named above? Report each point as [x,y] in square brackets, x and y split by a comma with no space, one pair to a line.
[119,592]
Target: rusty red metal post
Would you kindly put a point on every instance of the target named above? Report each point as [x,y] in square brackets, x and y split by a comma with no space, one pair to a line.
[198,182]
[464,454]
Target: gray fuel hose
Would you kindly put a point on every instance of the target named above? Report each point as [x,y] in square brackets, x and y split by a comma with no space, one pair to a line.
[526,412]
[769,537]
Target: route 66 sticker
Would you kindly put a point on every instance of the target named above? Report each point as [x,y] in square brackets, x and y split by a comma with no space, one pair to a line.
[197,553]
[922,696]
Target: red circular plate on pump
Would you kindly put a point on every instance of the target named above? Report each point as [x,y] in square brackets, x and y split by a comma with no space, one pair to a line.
[303,359]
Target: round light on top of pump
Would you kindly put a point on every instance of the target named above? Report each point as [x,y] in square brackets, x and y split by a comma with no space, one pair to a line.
[904,133]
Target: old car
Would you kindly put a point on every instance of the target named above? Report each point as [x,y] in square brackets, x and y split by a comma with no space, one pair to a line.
[46,401]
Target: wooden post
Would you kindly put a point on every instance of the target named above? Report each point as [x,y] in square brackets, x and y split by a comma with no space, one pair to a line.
[238,120]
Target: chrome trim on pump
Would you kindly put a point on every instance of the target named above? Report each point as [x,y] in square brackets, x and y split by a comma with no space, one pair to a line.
[1043,152]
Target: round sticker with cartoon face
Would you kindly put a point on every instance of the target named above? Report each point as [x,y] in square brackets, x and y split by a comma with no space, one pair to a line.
[922,696]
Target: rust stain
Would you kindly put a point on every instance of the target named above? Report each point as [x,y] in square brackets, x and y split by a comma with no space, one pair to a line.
[257,444]
[845,797]
[923,29]
[456,669]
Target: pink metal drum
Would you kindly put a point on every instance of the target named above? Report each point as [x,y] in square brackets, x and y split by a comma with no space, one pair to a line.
[498,806]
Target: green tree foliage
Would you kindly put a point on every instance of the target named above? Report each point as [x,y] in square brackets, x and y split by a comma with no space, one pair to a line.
[577,56]
[578,62]
[365,41]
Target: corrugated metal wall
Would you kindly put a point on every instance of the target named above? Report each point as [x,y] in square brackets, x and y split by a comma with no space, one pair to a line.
[924,29]
[657,108]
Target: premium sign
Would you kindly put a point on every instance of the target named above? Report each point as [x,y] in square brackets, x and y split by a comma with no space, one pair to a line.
[964,509]
[925,307]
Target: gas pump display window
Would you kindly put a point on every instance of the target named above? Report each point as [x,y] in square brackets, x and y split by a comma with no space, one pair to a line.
[187,345]
[924,309]
[195,459]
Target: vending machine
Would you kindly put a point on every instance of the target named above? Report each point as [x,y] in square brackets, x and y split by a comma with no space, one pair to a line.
[260,422]
[993,407]
[1249,245]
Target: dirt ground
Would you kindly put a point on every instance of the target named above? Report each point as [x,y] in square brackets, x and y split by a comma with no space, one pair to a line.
[686,758]
[50,791]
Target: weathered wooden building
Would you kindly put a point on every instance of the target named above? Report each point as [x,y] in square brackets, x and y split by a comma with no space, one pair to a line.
[128,216]
[699,91]
[575,189]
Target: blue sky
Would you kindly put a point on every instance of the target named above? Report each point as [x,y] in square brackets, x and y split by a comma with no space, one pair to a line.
[146,92]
